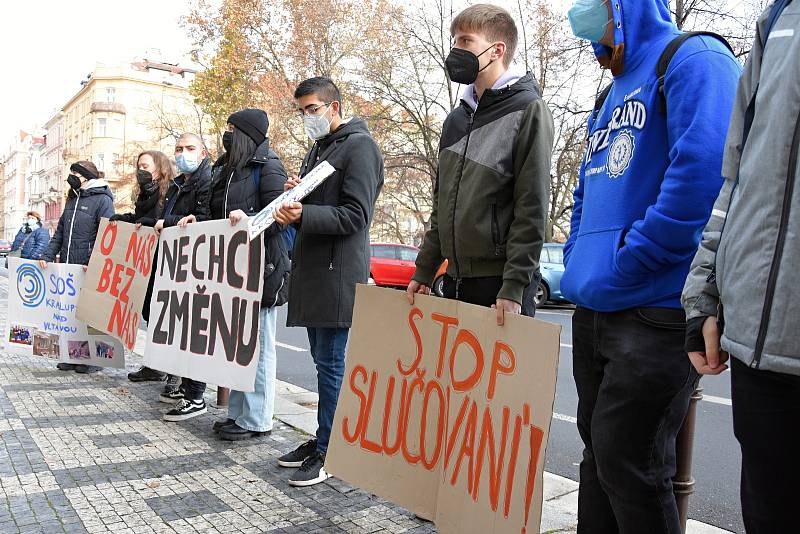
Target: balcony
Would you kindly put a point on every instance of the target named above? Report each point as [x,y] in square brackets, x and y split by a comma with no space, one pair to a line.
[107,107]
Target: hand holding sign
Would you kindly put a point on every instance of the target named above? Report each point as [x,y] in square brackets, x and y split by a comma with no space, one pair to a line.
[297,192]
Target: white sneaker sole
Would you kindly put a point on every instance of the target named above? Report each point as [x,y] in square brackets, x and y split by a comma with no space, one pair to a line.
[184,417]
[168,400]
[323,476]
[290,464]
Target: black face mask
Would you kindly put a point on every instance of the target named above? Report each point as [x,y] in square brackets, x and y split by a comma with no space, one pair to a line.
[143,177]
[463,66]
[227,139]
[73,181]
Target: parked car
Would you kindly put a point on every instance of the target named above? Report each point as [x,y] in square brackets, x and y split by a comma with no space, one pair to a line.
[5,248]
[392,264]
[551,265]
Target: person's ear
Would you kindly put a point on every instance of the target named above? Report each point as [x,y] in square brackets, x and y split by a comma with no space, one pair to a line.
[499,50]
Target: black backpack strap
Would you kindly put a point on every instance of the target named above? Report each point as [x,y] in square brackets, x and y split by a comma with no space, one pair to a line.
[601,99]
[669,52]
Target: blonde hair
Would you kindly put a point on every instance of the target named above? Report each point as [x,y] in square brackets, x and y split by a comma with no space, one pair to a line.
[494,22]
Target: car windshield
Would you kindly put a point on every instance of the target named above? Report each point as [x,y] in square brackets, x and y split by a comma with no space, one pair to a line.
[4,243]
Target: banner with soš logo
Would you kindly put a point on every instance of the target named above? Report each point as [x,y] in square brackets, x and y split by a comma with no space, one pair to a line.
[42,306]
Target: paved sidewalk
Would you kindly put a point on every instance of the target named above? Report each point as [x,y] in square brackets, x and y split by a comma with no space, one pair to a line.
[90,453]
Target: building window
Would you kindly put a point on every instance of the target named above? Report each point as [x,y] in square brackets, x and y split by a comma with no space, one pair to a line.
[101,162]
[101,127]
[117,128]
[110,94]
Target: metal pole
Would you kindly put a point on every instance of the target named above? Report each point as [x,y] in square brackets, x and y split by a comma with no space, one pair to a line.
[683,483]
[222,396]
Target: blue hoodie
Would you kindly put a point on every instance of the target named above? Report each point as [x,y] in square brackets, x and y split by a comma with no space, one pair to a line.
[648,180]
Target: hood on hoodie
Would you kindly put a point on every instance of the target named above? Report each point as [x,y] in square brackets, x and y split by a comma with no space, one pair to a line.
[638,24]
[96,187]
[511,76]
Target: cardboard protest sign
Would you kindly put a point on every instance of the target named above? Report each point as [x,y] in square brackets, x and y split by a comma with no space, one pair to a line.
[445,413]
[116,280]
[204,312]
[42,307]
[263,219]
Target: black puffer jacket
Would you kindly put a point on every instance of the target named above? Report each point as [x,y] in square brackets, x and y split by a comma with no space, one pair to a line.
[77,227]
[145,208]
[238,191]
[331,250]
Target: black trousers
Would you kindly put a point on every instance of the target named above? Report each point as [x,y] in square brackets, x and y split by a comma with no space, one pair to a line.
[766,421]
[483,291]
[634,382]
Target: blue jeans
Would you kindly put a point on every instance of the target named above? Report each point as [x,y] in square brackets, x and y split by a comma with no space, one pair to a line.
[327,349]
[253,411]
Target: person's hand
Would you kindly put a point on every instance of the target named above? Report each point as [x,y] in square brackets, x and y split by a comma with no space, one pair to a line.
[85,268]
[138,225]
[415,287]
[712,361]
[189,219]
[42,264]
[235,216]
[504,305]
[291,183]
[159,226]
[112,221]
[288,213]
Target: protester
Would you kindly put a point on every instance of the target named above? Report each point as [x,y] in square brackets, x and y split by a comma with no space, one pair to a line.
[89,199]
[153,172]
[246,178]
[331,251]
[741,295]
[490,199]
[31,240]
[649,176]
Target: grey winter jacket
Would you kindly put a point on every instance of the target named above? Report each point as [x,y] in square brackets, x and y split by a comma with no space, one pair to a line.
[747,265]
[77,227]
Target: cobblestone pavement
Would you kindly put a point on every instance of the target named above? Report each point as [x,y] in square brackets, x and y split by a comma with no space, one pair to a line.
[90,453]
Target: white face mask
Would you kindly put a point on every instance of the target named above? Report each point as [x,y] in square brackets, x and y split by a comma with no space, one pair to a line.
[33,222]
[317,126]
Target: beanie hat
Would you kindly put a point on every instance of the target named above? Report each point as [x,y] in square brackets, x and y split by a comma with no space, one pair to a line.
[253,122]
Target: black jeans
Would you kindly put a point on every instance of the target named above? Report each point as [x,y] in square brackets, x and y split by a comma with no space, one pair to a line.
[483,291]
[192,389]
[766,415]
[634,381]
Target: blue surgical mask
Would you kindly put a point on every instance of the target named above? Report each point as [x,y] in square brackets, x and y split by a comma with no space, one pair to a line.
[187,162]
[589,19]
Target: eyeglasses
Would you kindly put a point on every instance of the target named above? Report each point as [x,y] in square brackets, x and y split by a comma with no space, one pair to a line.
[312,110]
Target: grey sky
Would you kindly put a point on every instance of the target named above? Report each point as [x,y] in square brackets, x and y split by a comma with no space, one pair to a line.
[48,46]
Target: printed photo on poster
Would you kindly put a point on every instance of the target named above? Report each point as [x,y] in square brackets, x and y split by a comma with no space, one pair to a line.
[78,350]
[104,350]
[20,335]
[46,345]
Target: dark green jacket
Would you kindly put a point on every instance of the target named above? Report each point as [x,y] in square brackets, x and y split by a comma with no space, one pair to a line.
[490,198]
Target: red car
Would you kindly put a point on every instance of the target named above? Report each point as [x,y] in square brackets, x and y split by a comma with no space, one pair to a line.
[5,247]
[392,264]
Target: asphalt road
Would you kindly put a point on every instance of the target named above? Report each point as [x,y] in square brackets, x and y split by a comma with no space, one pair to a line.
[716,452]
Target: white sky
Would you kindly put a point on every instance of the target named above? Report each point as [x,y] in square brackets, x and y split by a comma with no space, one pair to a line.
[48,46]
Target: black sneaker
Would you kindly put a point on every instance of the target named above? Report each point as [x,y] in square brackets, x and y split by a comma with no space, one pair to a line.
[299,455]
[87,369]
[145,374]
[63,366]
[186,409]
[171,396]
[236,433]
[311,472]
[219,425]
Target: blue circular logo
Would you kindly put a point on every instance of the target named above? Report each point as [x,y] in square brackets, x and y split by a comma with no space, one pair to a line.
[30,285]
